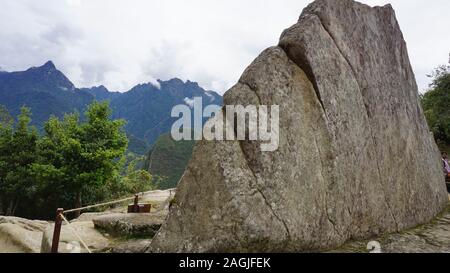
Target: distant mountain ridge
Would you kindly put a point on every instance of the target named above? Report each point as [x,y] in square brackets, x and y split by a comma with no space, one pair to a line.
[101,92]
[44,89]
[146,107]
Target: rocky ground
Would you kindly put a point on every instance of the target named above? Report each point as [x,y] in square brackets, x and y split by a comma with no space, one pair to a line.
[115,231]
[430,238]
[20,235]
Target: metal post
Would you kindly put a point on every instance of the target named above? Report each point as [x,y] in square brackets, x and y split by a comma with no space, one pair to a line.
[57,230]
[136,204]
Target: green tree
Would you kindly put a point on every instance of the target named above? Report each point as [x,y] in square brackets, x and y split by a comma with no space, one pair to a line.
[17,155]
[137,180]
[5,117]
[81,158]
[436,105]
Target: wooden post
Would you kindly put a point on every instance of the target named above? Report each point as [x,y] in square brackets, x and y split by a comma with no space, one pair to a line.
[57,230]
[136,204]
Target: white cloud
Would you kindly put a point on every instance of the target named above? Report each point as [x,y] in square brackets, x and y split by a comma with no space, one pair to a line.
[121,43]
[74,2]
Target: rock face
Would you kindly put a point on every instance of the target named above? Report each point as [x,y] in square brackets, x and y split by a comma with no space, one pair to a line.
[356,158]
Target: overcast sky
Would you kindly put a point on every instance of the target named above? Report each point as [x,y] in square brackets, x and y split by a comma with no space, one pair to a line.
[119,43]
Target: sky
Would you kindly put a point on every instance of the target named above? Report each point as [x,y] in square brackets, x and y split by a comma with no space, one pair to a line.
[118,43]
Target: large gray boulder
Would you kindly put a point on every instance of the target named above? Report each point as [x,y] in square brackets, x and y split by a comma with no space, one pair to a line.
[356,158]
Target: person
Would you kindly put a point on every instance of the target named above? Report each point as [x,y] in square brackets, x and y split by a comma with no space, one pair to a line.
[446,165]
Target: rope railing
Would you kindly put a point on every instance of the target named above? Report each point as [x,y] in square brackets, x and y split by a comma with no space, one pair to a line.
[60,217]
[76,234]
[111,202]
[99,205]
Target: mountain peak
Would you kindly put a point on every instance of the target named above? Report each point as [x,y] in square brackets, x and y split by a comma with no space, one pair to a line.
[49,65]
[46,74]
[175,81]
[195,84]
[101,88]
